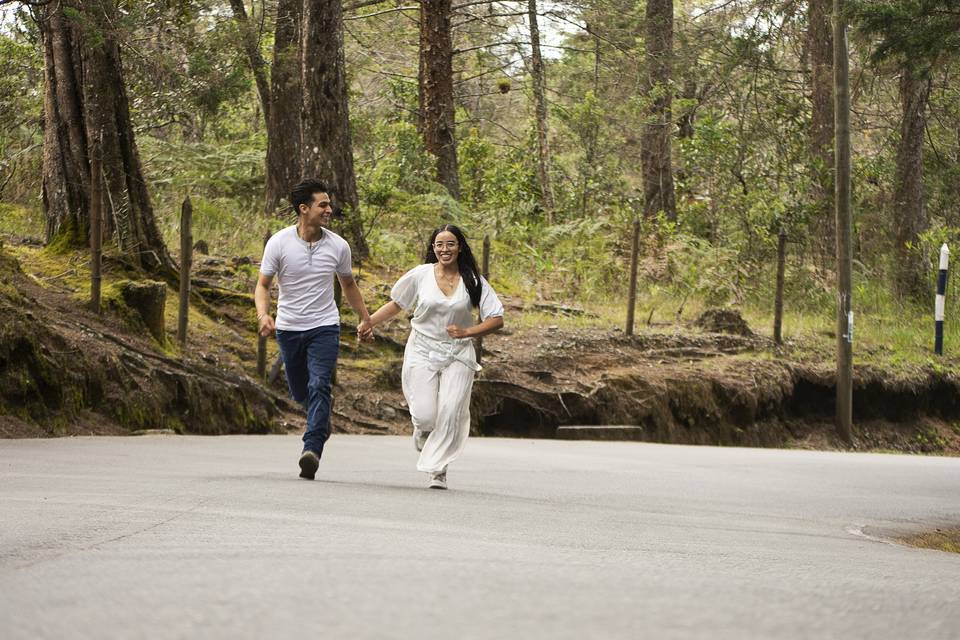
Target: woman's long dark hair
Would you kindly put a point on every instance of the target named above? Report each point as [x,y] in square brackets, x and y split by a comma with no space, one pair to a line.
[466,263]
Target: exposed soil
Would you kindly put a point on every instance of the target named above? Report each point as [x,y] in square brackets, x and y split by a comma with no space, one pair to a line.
[65,370]
[68,371]
[705,389]
[723,321]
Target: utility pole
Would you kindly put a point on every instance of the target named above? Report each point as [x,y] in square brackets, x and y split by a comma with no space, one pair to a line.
[841,91]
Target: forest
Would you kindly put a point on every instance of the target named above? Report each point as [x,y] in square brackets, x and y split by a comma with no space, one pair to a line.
[549,127]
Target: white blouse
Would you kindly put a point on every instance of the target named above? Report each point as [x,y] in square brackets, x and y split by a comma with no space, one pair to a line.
[433,310]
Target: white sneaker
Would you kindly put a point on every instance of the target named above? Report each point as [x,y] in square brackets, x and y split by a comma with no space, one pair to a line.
[420,438]
[438,480]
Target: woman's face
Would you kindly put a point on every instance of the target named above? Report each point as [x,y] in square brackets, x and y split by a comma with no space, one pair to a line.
[446,247]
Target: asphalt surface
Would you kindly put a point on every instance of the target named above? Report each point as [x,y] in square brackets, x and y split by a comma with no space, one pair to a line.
[188,537]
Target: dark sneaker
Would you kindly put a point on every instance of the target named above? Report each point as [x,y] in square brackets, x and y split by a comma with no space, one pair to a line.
[438,480]
[309,461]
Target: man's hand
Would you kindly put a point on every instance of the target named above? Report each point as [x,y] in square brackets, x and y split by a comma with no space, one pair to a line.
[266,326]
[457,332]
[365,330]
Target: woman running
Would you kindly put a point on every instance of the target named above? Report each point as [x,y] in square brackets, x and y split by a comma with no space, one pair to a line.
[440,362]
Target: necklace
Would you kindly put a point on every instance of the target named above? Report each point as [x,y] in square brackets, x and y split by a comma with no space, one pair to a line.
[450,281]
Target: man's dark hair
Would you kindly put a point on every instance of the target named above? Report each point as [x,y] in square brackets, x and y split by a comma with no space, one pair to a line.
[303,193]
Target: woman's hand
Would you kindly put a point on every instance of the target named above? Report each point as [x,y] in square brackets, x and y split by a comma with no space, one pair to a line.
[456,332]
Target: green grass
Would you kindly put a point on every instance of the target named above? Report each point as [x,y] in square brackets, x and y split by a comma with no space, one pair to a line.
[21,221]
[228,229]
[940,539]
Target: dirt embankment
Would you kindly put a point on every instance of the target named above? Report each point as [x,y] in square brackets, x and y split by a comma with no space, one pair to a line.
[707,389]
[64,370]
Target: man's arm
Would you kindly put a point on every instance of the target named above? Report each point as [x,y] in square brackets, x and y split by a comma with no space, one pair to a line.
[261,297]
[352,293]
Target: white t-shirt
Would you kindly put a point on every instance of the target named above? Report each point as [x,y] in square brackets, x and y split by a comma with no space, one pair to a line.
[305,272]
[433,310]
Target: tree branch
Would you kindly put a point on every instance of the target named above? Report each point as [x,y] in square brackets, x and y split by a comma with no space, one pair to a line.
[353,6]
[380,13]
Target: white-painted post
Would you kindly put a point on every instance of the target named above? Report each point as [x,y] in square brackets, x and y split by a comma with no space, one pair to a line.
[941,297]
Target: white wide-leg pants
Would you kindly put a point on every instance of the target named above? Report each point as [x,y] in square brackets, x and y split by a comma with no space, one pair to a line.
[439,402]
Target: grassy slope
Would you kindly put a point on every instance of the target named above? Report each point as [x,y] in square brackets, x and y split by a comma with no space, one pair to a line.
[886,333]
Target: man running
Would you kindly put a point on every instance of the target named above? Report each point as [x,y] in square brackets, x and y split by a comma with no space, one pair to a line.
[304,258]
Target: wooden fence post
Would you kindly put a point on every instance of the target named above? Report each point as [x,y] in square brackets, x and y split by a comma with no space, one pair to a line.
[634,256]
[186,264]
[485,272]
[778,299]
[96,226]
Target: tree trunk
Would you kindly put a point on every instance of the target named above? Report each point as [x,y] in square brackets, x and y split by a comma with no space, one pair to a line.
[65,172]
[686,125]
[326,147]
[591,133]
[909,211]
[820,52]
[283,125]
[540,101]
[86,99]
[687,57]
[655,154]
[437,110]
[251,48]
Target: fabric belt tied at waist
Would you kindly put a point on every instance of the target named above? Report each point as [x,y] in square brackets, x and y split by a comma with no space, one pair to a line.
[442,353]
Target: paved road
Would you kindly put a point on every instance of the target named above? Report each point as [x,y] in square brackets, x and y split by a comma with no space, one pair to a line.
[176,537]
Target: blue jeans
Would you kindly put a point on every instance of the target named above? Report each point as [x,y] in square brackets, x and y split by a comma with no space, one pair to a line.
[309,358]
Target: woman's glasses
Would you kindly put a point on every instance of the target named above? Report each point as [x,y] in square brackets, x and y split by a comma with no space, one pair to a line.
[452,244]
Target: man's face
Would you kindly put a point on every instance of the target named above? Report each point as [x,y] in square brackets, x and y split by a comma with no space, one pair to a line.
[319,212]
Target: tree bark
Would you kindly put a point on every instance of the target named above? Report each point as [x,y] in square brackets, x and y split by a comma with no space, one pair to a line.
[326,147]
[591,132]
[65,172]
[820,53]
[437,122]
[540,102]
[687,57]
[251,48]
[909,211]
[283,125]
[656,152]
[686,125]
[85,100]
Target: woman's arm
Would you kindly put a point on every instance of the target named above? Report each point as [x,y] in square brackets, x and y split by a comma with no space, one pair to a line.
[385,313]
[487,326]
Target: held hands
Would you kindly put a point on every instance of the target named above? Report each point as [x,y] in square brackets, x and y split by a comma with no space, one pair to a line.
[265,325]
[456,332]
[365,331]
